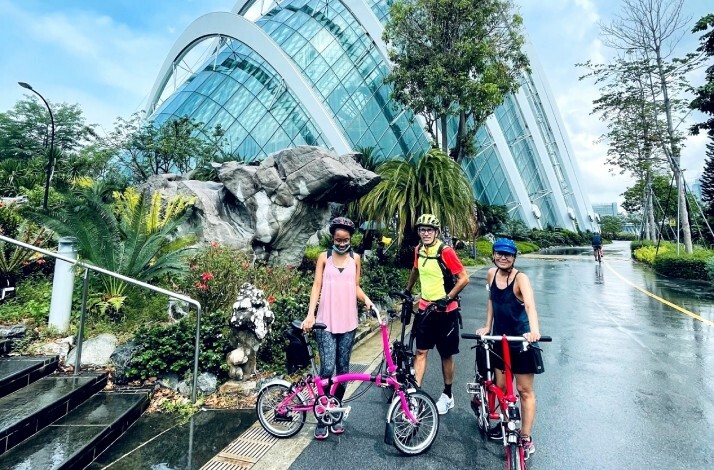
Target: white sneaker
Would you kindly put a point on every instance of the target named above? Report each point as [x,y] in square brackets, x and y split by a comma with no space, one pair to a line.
[444,404]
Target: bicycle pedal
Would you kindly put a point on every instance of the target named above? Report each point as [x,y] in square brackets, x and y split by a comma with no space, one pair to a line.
[346,413]
[472,387]
[283,418]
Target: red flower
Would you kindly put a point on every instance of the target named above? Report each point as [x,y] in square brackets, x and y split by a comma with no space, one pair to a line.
[2,205]
[271,299]
[198,284]
[203,287]
[41,261]
[246,265]
[290,267]
[206,276]
[214,244]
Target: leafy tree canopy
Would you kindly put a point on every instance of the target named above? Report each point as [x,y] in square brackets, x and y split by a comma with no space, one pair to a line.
[704,100]
[145,150]
[661,184]
[610,226]
[25,133]
[455,58]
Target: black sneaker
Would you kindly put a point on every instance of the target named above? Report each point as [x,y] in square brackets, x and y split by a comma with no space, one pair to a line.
[496,432]
[321,432]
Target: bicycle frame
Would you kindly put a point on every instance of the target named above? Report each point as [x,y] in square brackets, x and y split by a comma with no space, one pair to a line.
[509,415]
[319,400]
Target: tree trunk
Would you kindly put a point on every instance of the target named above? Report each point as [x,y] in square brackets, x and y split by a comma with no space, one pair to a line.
[444,136]
[683,213]
[652,234]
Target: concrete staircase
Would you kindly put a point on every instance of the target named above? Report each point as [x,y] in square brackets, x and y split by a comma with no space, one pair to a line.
[59,421]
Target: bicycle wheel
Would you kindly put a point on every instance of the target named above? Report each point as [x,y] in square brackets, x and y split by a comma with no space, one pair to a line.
[279,425]
[514,458]
[411,438]
[479,404]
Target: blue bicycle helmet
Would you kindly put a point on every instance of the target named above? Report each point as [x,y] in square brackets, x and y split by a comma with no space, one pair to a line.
[505,245]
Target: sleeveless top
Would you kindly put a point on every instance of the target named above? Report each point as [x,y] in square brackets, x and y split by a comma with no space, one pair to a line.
[509,313]
[338,298]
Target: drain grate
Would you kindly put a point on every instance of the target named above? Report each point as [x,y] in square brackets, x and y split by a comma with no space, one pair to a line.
[243,452]
[253,444]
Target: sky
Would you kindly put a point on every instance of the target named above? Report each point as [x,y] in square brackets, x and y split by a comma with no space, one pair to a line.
[105,55]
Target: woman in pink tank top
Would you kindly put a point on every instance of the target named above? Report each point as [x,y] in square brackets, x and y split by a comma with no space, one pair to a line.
[336,286]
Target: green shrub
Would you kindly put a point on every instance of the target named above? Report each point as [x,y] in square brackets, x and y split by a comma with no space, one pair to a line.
[684,266]
[527,247]
[271,355]
[378,280]
[10,220]
[646,253]
[32,301]
[710,267]
[465,257]
[635,244]
[626,236]
[483,248]
[216,274]
[164,349]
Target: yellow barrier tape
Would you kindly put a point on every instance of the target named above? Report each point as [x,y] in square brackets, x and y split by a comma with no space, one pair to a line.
[666,302]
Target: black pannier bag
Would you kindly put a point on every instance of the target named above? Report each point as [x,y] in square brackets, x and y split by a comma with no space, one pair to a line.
[481,362]
[297,355]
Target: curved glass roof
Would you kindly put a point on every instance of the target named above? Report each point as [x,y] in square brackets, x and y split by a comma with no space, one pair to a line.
[242,93]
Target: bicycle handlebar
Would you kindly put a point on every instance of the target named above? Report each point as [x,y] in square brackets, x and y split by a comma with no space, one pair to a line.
[520,339]
[297,324]
[401,295]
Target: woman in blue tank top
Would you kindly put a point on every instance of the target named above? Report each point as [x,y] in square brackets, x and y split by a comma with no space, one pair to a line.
[511,311]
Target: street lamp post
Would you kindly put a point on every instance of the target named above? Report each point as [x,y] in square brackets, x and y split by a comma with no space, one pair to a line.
[51,158]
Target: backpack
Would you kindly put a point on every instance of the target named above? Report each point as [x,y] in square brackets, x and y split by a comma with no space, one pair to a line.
[449,278]
[296,354]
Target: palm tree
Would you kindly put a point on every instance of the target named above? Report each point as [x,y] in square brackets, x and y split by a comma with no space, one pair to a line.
[130,235]
[432,183]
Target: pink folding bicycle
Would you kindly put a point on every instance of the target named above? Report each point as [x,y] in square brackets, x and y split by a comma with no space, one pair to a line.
[412,421]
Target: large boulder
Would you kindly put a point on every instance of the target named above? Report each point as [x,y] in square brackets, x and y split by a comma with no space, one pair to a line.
[272,208]
[96,351]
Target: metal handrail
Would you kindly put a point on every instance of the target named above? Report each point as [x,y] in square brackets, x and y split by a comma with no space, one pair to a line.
[88,267]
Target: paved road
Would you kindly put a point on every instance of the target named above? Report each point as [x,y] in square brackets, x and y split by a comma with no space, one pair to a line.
[628,381]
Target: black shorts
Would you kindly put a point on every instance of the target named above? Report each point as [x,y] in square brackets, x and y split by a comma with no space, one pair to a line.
[440,329]
[522,362]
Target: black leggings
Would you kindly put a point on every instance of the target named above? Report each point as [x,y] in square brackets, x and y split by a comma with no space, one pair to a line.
[335,351]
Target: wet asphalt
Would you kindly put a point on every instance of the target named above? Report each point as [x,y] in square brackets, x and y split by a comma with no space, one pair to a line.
[628,381]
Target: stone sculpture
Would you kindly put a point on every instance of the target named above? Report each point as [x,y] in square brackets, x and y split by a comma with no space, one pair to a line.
[273,207]
[249,324]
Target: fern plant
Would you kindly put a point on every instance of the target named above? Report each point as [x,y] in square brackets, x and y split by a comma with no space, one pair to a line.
[129,234]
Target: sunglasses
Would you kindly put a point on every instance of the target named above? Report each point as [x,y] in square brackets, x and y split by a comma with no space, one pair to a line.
[501,254]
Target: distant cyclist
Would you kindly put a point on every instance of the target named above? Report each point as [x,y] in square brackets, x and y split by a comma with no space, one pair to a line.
[597,245]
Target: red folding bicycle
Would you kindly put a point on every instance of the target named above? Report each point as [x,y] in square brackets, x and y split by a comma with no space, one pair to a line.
[491,403]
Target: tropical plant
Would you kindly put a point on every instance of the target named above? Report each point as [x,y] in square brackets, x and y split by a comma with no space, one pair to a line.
[13,258]
[132,235]
[432,183]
